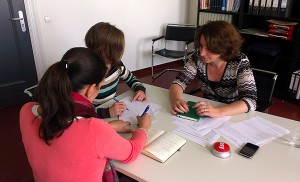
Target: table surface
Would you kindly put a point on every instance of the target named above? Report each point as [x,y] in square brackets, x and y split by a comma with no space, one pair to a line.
[275,161]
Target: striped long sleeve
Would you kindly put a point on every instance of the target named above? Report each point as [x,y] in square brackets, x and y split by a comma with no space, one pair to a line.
[110,85]
[237,82]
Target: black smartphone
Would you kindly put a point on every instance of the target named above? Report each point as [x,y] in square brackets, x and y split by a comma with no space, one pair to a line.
[249,150]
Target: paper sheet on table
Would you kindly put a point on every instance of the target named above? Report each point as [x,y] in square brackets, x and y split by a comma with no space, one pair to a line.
[205,140]
[204,122]
[200,132]
[137,108]
[255,130]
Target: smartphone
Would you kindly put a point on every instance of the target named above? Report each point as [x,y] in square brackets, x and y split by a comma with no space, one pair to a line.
[249,150]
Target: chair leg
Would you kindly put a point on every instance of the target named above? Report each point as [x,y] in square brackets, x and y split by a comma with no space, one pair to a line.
[159,74]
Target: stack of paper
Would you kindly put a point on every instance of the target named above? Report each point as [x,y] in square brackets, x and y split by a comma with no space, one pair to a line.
[256,130]
[200,132]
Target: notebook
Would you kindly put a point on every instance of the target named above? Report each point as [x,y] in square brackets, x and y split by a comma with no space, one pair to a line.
[162,145]
[191,115]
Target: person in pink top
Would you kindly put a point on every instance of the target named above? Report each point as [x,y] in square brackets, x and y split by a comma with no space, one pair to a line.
[62,139]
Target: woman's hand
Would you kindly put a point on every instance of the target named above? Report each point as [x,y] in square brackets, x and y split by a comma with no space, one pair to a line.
[120,126]
[144,121]
[139,95]
[206,109]
[180,106]
[117,109]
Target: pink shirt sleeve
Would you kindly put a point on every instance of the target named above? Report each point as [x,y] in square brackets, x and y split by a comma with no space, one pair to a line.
[109,144]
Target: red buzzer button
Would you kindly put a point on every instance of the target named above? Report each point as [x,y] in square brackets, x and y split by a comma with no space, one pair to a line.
[221,147]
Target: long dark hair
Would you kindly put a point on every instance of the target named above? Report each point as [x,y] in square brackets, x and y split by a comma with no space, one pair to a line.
[79,67]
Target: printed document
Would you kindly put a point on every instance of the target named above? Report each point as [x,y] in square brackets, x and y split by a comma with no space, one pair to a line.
[255,130]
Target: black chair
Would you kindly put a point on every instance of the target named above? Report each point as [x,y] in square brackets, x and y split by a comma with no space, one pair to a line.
[265,83]
[174,32]
[30,91]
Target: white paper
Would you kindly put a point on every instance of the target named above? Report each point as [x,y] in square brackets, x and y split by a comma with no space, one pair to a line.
[137,108]
[255,130]
[205,122]
[205,140]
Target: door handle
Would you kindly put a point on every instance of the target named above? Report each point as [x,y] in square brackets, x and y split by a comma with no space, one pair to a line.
[22,21]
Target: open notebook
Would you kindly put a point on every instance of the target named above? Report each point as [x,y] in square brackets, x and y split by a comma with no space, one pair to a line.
[162,145]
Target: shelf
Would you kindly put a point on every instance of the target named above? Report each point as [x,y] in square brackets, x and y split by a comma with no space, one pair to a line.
[254,29]
[219,12]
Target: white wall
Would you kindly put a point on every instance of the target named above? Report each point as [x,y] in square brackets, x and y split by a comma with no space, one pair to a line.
[140,20]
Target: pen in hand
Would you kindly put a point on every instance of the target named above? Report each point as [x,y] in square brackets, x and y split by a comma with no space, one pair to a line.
[119,101]
[146,110]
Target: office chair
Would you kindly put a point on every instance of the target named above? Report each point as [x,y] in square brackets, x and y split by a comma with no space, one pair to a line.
[265,83]
[30,91]
[174,32]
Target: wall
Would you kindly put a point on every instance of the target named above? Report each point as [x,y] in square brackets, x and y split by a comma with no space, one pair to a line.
[140,20]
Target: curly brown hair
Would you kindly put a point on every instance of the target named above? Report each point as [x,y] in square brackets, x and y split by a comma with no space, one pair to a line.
[221,38]
[107,41]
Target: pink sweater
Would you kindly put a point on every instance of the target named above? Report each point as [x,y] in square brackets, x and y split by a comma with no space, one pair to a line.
[80,153]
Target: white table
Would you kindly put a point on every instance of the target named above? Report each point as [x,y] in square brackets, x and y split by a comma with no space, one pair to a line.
[276,161]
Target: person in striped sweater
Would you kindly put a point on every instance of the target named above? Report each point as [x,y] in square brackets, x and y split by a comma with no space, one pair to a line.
[108,42]
[224,73]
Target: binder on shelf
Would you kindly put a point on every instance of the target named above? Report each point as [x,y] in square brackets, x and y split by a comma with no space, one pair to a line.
[256,7]
[285,8]
[236,5]
[274,11]
[212,4]
[268,8]
[262,7]
[250,7]
[204,4]
[219,5]
[298,92]
[229,5]
[224,5]
[294,84]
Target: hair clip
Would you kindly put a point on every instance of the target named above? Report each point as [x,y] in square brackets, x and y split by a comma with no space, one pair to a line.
[66,63]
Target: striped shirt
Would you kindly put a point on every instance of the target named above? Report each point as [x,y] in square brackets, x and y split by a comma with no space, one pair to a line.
[237,82]
[110,85]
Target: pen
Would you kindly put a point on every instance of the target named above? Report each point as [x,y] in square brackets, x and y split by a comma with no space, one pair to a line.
[119,101]
[146,110]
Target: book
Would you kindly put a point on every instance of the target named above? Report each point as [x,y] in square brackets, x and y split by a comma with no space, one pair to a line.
[161,145]
[191,115]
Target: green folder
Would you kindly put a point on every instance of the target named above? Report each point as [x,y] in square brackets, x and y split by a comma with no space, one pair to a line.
[191,115]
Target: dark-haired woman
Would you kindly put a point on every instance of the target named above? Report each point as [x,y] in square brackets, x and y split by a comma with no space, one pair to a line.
[62,141]
[224,73]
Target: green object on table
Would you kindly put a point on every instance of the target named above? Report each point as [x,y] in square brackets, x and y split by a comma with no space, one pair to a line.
[191,115]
